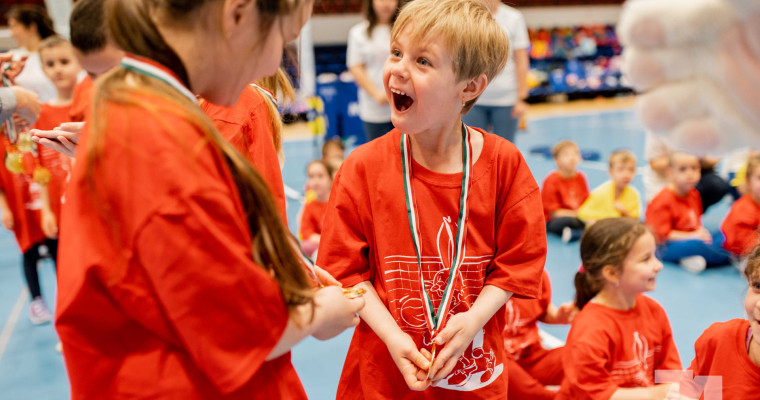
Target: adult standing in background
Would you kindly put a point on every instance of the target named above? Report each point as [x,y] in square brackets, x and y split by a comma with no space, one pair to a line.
[29,25]
[369,43]
[502,104]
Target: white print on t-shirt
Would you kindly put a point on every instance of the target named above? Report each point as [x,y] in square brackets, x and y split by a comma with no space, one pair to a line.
[635,373]
[35,197]
[477,367]
[514,325]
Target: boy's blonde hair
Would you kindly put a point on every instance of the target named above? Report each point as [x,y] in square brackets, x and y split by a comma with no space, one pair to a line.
[753,163]
[621,156]
[53,41]
[476,43]
[562,145]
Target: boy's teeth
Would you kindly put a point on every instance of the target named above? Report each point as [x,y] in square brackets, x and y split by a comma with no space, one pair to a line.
[398,92]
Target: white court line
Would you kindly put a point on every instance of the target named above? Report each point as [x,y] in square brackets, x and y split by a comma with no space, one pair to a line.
[10,323]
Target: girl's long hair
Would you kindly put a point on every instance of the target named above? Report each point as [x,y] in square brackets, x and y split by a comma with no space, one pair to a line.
[133,30]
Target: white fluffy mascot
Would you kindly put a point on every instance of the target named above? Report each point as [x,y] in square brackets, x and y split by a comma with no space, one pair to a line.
[698,64]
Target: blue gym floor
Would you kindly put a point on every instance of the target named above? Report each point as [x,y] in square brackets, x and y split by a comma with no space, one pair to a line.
[31,368]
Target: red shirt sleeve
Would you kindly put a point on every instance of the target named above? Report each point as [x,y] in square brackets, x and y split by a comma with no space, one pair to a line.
[550,196]
[80,105]
[658,216]
[347,262]
[311,220]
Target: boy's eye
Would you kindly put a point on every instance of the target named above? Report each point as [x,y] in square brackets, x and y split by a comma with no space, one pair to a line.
[395,53]
[424,62]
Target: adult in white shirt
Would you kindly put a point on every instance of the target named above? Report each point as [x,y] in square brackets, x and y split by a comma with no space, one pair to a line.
[369,44]
[501,105]
[29,25]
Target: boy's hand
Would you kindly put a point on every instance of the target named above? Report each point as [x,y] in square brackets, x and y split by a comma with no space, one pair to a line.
[619,207]
[412,363]
[62,139]
[7,219]
[566,313]
[27,104]
[452,341]
[49,225]
[325,278]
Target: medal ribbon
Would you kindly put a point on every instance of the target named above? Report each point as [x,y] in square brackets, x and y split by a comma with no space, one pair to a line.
[154,71]
[435,319]
[10,126]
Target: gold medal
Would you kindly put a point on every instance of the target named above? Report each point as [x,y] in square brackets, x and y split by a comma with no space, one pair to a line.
[14,162]
[41,175]
[25,143]
[432,359]
[354,292]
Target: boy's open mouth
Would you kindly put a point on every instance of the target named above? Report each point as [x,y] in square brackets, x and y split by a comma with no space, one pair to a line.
[401,101]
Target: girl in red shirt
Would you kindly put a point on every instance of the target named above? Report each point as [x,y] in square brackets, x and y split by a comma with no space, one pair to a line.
[620,337]
[178,278]
[319,181]
[730,350]
[743,220]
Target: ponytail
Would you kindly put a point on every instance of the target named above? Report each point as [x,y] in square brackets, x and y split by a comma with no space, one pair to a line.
[133,29]
[606,243]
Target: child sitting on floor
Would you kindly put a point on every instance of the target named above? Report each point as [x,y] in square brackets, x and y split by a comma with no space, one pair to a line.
[616,197]
[674,215]
[742,222]
[563,192]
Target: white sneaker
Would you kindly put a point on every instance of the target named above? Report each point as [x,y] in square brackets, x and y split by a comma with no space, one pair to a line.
[567,234]
[693,264]
[38,312]
[59,347]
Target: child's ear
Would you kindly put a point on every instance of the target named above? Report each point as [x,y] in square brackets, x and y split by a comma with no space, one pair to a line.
[611,274]
[474,87]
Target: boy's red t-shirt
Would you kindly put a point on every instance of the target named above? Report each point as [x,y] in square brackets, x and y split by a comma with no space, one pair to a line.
[158,294]
[248,126]
[58,164]
[24,201]
[567,193]
[312,218]
[721,351]
[366,237]
[740,226]
[608,349]
[80,105]
[521,320]
[668,211]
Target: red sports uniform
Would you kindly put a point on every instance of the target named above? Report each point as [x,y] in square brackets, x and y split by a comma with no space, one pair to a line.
[567,193]
[721,351]
[80,105]
[740,226]
[248,126]
[366,237]
[158,294]
[23,196]
[608,349]
[668,211]
[312,218]
[58,164]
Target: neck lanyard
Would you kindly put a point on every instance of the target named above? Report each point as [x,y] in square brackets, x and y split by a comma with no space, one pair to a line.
[143,67]
[436,318]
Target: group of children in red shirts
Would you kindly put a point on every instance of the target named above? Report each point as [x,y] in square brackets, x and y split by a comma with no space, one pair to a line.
[437,223]
[674,214]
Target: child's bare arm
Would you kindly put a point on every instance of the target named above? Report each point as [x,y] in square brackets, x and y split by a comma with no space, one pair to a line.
[564,314]
[461,329]
[409,360]
[564,212]
[701,234]
[664,391]
[5,210]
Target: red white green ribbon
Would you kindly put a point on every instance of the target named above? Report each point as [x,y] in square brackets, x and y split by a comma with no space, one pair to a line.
[154,70]
[436,318]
